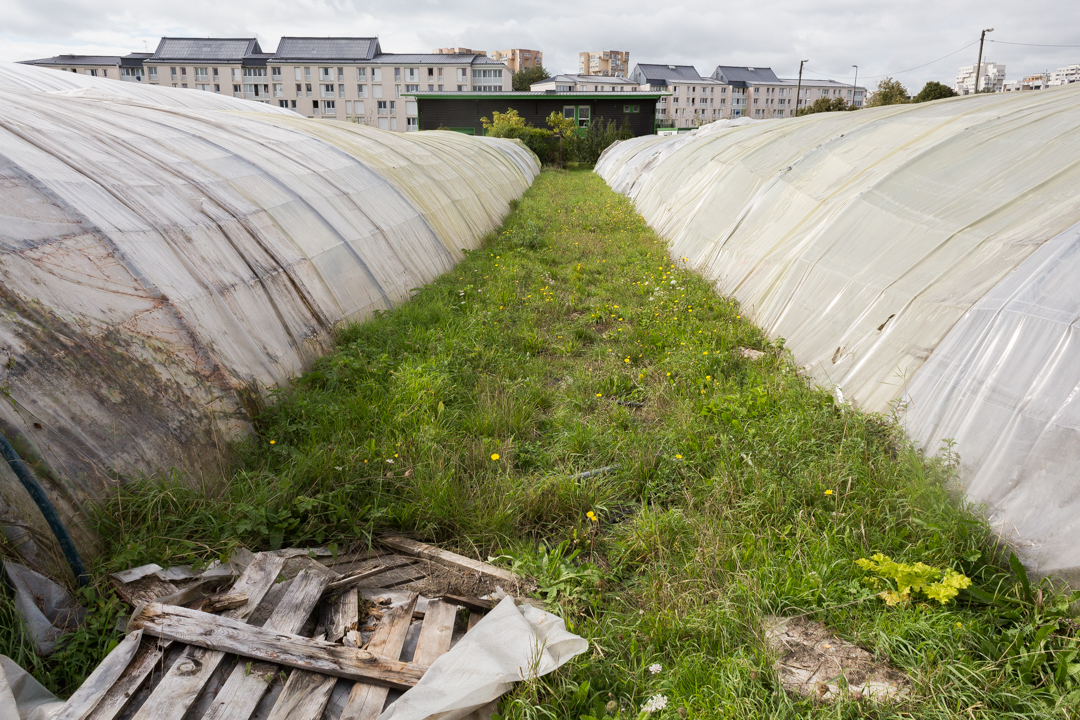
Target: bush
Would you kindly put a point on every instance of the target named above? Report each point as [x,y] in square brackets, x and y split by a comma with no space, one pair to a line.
[511,125]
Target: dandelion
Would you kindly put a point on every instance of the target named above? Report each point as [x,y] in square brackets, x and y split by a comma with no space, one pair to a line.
[592,516]
[654,704]
[494,456]
[655,668]
[959,625]
[599,394]
[828,492]
[678,457]
[273,442]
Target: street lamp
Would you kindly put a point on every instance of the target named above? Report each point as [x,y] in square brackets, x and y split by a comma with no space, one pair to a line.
[854,85]
[798,90]
[978,65]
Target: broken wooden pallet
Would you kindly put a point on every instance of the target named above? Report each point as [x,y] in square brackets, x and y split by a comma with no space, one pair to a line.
[247,652]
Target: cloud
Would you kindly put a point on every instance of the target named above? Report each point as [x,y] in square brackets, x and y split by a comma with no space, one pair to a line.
[880,37]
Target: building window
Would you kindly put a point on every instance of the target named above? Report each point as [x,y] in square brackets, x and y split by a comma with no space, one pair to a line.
[431,88]
[292,104]
[237,90]
[203,87]
[376,91]
[412,88]
[393,106]
[307,89]
[411,124]
[631,108]
[173,71]
[296,73]
[361,91]
[412,75]
[276,72]
[361,74]
[393,123]
[307,73]
[329,107]
[254,72]
[359,105]
[299,89]
[381,104]
[278,92]
[441,88]
[341,73]
[376,74]
[341,90]
[326,73]
[397,91]
[202,74]
[462,88]
[397,74]
[431,72]
[217,88]
[327,91]
[384,123]
[283,103]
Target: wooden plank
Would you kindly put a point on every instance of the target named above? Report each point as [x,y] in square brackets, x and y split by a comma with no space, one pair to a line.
[176,692]
[248,682]
[146,659]
[83,701]
[224,634]
[340,614]
[395,577]
[474,617]
[145,589]
[370,570]
[304,696]
[436,632]
[445,557]
[365,700]
[473,603]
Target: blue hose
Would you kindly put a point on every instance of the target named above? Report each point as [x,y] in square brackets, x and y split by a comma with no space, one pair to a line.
[22,471]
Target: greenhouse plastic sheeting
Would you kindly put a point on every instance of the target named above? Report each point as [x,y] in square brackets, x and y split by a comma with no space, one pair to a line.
[875,240]
[168,255]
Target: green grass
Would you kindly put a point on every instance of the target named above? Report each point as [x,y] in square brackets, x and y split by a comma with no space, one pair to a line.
[572,342]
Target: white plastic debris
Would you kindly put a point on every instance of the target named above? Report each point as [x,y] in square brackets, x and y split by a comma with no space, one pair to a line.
[511,643]
[21,696]
[48,610]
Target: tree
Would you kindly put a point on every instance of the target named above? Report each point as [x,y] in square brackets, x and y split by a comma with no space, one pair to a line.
[523,79]
[889,92]
[934,90]
[821,105]
[511,125]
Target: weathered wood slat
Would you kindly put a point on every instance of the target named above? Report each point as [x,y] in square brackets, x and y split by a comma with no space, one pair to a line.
[340,614]
[83,701]
[173,696]
[248,682]
[144,589]
[445,557]
[227,635]
[369,570]
[146,659]
[393,578]
[436,632]
[366,701]
[474,617]
[473,603]
[304,696]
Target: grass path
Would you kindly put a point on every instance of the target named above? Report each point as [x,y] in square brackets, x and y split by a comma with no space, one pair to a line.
[572,342]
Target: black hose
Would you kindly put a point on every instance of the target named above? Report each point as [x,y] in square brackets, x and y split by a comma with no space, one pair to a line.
[22,471]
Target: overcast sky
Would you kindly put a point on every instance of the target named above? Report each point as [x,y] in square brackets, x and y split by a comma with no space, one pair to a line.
[881,36]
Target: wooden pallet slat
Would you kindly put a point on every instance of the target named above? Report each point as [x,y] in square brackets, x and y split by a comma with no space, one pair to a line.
[304,696]
[248,682]
[90,694]
[436,633]
[445,557]
[340,614]
[365,700]
[181,685]
[224,634]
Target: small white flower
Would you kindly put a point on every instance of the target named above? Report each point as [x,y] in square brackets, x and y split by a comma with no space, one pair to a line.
[390,460]
[655,668]
[655,704]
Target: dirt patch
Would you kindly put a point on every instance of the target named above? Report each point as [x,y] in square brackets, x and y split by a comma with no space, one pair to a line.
[815,663]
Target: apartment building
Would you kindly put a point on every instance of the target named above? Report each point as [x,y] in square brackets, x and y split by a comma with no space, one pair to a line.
[330,78]
[694,100]
[458,51]
[518,59]
[613,63]
[116,67]
[991,78]
[1065,75]
[585,83]
[767,96]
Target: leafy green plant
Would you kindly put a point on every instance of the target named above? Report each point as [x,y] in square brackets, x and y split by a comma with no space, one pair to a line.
[935,583]
[558,573]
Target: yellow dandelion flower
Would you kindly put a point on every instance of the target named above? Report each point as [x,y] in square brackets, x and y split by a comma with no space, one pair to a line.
[273,442]
[599,394]
[592,516]
[494,456]
[828,492]
[678,457]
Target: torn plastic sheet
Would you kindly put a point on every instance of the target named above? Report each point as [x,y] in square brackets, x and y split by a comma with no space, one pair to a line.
[48,610]
[511,643]
[21,696]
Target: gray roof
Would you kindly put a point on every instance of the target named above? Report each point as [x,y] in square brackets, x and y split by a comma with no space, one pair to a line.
[205,49]
[732,73]
[349,49]
[676,73]
[588,80]
[134,59]
[76,60]
[433,59]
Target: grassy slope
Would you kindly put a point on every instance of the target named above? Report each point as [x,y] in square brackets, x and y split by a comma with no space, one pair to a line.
[740,490]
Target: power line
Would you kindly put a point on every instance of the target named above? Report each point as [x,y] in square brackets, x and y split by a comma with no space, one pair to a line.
[900,72]
[1002,42]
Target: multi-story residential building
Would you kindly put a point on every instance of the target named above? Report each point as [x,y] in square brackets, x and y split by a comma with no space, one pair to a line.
[518,59]
[585,83]
[458,51]
[127,67]
[1065,75]
[334,78]
[694,100]
[767,96]
[614,63]
[991,79]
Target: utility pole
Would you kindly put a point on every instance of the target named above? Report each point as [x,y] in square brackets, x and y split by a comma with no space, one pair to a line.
[978,65]
[798,90]
[855,85]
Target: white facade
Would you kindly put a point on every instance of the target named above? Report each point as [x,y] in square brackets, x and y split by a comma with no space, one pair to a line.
[991,77]
[1065,75]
